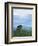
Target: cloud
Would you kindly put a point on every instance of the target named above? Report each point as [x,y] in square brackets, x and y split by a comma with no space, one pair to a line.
[22,12]
[22,17]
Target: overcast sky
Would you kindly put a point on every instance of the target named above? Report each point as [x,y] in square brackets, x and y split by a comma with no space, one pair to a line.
[22,17]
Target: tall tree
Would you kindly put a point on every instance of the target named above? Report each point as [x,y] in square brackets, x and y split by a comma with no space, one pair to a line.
[19,28]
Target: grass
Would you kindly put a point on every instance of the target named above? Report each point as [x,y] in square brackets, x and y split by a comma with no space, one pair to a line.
[22,32]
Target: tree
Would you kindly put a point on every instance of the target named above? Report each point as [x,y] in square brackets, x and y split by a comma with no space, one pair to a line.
[19,28]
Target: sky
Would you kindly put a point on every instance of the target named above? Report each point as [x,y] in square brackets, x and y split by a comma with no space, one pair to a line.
[22,17]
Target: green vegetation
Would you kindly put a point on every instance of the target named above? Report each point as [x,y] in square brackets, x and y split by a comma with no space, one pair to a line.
[22,32]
